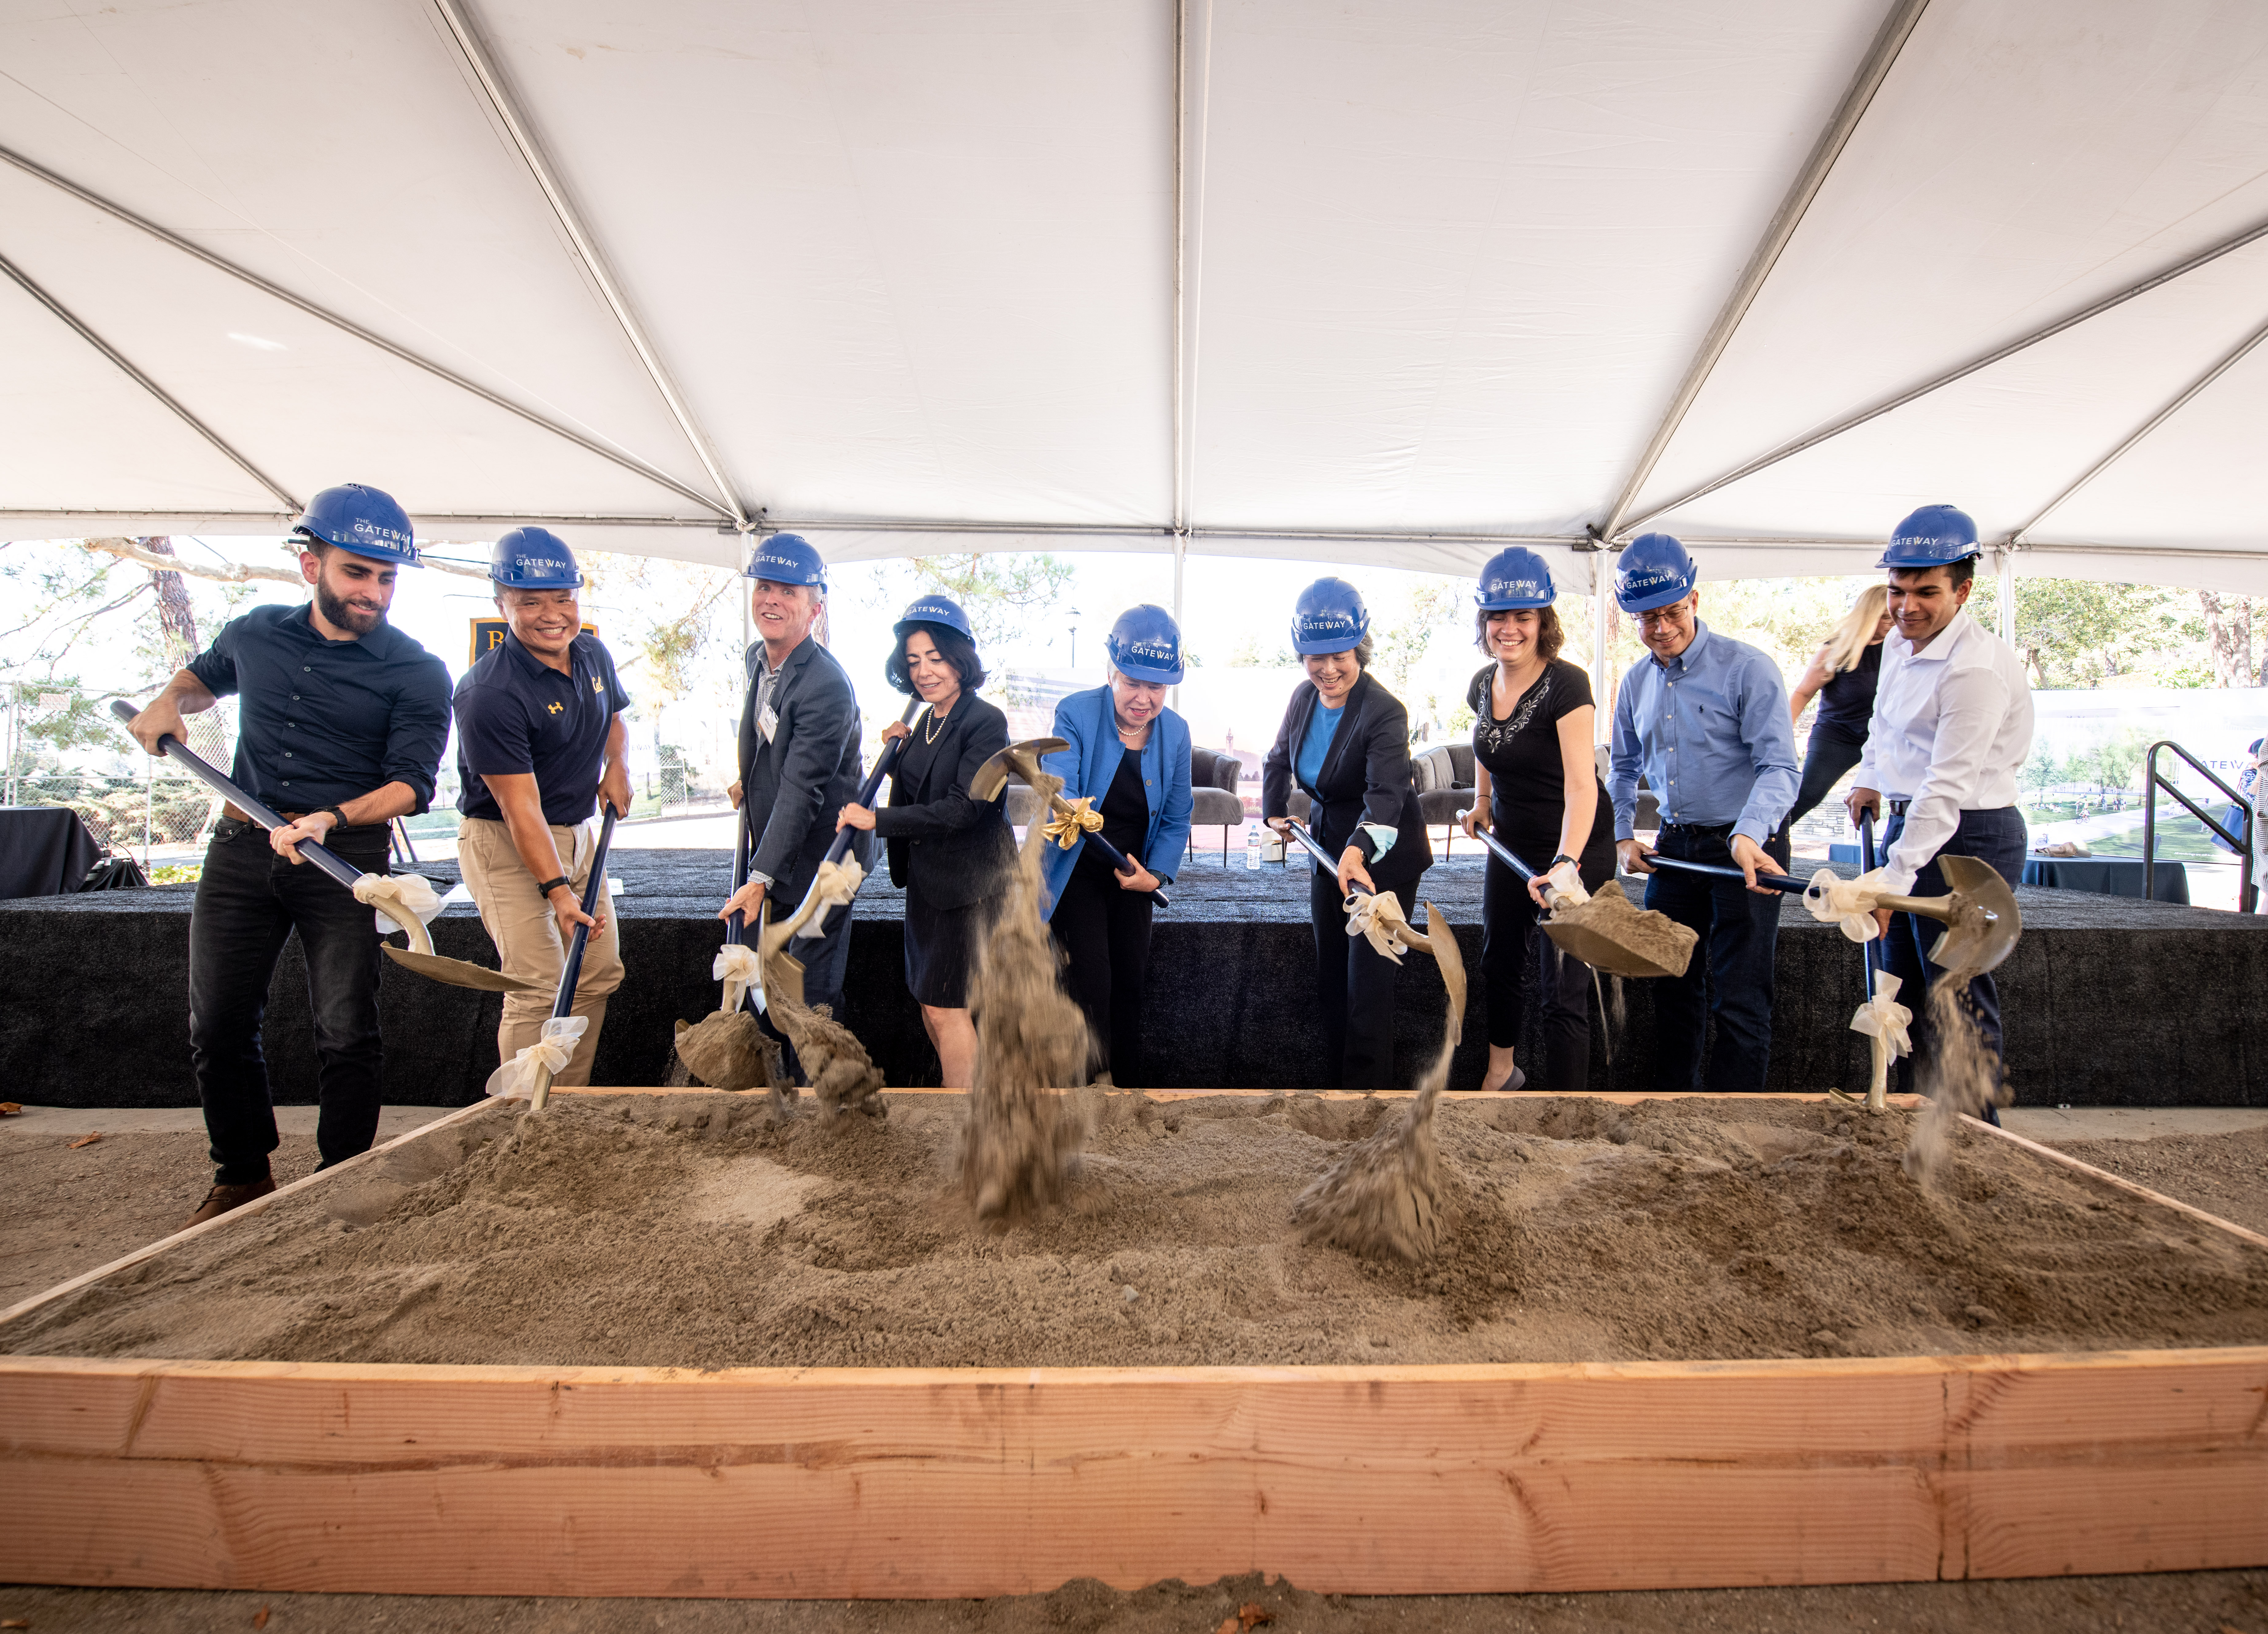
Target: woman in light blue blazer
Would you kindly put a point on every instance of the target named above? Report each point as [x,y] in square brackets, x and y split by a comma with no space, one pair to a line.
[1130,760]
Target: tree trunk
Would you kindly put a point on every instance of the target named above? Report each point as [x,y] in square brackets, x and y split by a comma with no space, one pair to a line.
[178,619]
[2228,638]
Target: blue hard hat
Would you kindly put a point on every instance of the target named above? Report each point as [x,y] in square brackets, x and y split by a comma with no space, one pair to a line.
[534,559]
[787,558]
[1515,577]
[1935,535]
[362,522]
[1328,618]
[1145,644]
[935,610]
[1653,571]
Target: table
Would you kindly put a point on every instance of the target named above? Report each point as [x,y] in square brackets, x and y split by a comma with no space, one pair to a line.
[45,851]
[2107,876]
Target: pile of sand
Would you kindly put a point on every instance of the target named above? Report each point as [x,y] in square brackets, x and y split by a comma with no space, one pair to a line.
[690,1230]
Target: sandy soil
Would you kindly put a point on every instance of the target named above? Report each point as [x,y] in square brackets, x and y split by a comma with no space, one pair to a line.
[690,1230]
[2222,1174]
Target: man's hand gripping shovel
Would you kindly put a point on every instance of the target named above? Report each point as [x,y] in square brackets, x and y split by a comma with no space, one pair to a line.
[405,902]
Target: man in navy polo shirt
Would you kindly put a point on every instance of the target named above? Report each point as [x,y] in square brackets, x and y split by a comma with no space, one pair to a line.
[540,740]
[340,729]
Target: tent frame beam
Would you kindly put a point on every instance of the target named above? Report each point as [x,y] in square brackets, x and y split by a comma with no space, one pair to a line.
[71,319]
[458,25]
[1891,39]
[1960,371]
[219,263]
[2235,356]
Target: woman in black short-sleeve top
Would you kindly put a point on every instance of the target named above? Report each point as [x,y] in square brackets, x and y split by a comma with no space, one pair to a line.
[1538,790]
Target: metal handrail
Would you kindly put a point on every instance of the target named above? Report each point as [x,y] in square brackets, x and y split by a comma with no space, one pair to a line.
[2152,782]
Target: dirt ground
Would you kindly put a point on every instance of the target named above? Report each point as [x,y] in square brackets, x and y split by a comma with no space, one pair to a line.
[67,1211]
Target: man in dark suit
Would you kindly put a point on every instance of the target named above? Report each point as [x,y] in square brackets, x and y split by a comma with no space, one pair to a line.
[798,756]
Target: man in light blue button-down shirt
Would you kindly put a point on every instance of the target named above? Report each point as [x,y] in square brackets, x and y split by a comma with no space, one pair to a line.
[1706,717]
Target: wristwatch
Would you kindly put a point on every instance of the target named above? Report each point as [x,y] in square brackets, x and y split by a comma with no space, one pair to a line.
[335,812]
[550,885]
[1556,862]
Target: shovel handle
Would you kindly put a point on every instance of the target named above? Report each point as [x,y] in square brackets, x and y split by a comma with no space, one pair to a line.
[571,973]
[1510,857]
[873,786]
[221,784]
[1787,882]
[1119,862]
[1867,950]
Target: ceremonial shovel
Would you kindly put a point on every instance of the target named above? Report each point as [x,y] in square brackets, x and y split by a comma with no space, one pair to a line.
[420,956]
[1588,934]
[1024,760]
[1439,940]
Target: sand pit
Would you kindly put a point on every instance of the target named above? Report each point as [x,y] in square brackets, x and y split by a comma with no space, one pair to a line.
[689,1230]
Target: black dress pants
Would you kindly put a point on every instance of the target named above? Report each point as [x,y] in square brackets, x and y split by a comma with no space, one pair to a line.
[249,901]
[1105,934]
[1354,984]
[1508,935]
[1832,751]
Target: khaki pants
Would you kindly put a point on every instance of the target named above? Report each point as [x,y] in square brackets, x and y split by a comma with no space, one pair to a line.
[527,935]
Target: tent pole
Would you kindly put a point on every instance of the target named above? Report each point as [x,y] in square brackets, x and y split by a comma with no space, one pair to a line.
[1850,422]
[459,26]
[1889,42]
[2243,350]
[589,444]
[291,506]
[1602,715]
[2007,566]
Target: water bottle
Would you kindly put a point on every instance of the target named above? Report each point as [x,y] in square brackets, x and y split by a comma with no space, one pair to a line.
[1252,846]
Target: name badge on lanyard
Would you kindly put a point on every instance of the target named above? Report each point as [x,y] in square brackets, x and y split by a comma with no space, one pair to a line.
[768,723]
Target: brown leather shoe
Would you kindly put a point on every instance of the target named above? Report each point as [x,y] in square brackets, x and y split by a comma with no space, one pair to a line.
[221,1199]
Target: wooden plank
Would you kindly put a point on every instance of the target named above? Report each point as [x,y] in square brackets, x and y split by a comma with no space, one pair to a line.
[2103,1177]
[1619,1098]
[250,1211]
[955,1482]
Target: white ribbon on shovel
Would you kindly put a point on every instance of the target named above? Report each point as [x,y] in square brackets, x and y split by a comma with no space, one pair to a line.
[553,1049]
[832,887]
[400,899]
[736,967]
[1884,1022]
[1377,916]
[1848,903]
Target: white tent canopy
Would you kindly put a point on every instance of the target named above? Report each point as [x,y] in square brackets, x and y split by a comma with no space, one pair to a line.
[1391,281]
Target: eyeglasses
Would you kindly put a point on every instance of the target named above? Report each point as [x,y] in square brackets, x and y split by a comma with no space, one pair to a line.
[1663,616]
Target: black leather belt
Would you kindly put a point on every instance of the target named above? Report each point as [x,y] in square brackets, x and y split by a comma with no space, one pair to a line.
[1698,828]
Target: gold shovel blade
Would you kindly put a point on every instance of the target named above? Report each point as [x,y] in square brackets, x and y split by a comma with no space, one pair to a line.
[461,972]
[1985,925]
[1601,933]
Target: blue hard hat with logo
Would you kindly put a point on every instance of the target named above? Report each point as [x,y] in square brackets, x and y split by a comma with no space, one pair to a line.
[1653,571]
[532,558]
[1515,577]
[1935,535]
[935,610]
[1145,644]
[1328,618]
[362,522]
[787,558]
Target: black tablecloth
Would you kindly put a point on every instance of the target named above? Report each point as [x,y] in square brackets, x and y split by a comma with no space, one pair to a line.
[2107,876]
[45,851]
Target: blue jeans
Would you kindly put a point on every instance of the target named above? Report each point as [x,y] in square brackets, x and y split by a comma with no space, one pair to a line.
[1730,977]
[1995,838]
[249,901]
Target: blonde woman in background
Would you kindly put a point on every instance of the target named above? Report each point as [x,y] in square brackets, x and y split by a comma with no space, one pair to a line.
[1841,676]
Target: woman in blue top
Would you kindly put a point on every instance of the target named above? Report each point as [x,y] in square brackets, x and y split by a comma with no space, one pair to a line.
[1130,757]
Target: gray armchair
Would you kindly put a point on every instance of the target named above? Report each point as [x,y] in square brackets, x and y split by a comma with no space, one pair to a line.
[1444,777]
[1214,801]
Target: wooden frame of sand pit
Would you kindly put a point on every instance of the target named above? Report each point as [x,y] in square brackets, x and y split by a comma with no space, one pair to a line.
[913,1482]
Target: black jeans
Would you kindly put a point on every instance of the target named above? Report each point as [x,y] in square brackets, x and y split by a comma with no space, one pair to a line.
[1354,984]
[1833,751]
[249,901]
[1730,977]
[1105,933]
[1995,838]
[1508,916]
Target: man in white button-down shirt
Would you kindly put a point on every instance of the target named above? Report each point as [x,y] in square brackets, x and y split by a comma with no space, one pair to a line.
[1953,723]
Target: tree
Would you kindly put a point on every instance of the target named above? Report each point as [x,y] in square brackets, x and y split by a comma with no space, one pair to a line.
[1002,592]
[2229,638]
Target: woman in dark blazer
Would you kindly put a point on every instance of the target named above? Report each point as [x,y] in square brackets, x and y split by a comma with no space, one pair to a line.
[952,853]
[1346,740]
